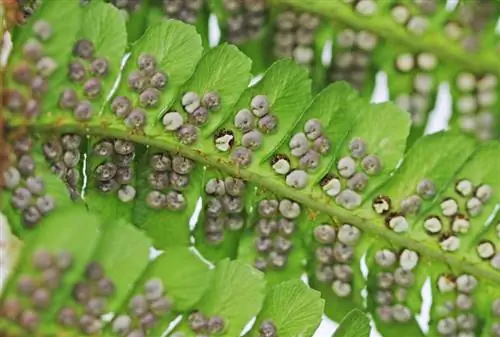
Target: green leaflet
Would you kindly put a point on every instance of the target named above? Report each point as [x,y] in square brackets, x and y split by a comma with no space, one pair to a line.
[107,204]
[53,186]
[452,299]
[288,90]
[123,252]
[232,222]
[387,140]
[167,227]
[355,324]
[479,171]
[71,230]
[177,49]
[292,251]
[336,306]
[104,26]
[236,294]
[58,47]
[226,71]
[403,291]
[185,278]
[424,161]
[337,108]
[293,308]
[226,297]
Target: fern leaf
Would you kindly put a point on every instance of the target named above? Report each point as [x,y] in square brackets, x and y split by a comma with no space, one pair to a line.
[289,309]
[226,300]
[355,324]
[69,234]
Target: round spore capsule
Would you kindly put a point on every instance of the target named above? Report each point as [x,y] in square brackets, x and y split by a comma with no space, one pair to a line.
[83,111]
[211,101]
[94,271]
[199,116]
[187,134]
[260,105]
[158,80]
[149,98]
[42,29]
[136,118]
[147,63]
[11,178]
[92,88]
[99,67]
[21,198]
[121,106]
[84,48]
[76,71]
[137,81]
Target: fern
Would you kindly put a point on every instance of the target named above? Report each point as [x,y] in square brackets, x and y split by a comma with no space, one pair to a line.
[431,40]
[288,183]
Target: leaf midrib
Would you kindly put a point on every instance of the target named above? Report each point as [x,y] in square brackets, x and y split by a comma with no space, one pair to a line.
[456,262]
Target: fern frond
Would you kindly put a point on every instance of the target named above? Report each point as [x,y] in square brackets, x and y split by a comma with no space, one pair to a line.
[324,182]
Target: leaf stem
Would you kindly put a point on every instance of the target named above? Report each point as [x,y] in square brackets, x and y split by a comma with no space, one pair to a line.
[384,26]
[456,262]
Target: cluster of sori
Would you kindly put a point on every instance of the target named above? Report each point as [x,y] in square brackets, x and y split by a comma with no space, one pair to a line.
[145,311]
[307,149]
[475,104]
[470,23]
[352,176]
[334,256]
[246,19]
[197,110]
[184,10]
[294,36]
[495,313]
[35,291]
[28,190]
[473,198]
[168,177]
[89,71]
[128,5]
[457,317]
[63,155]
[31,74]
[274,229]
[116,172]
[254,122]
[396,218]
[363,7]
[223,207]
[203,325]
[352,57]
[90,301]
[420,67]
[394,280]
[148,82]
[416,23]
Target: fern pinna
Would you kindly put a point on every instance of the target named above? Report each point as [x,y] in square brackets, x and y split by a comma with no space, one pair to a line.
[288,184]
